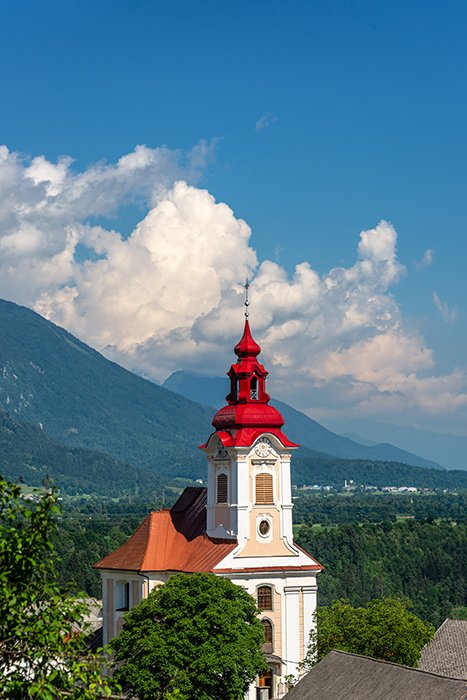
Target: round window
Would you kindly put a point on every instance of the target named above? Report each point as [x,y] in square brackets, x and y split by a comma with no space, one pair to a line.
[264,527]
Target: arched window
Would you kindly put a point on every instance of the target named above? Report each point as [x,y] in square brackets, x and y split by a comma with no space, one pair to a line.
[267,626]
[122,595]
[264,488]
[222,485]
[264,597]
[254,388]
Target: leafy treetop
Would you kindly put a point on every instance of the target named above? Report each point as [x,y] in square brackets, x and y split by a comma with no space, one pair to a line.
[43,651]
[384,629]
[197,637]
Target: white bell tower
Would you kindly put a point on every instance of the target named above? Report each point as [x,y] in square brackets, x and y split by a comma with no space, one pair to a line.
[249,502]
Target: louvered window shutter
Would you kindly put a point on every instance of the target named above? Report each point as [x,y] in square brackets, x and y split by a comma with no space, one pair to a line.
[222,488]
[264,488]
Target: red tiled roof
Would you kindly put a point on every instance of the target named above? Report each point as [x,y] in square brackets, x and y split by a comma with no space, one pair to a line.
[171,540]
[130,555]
[176,540]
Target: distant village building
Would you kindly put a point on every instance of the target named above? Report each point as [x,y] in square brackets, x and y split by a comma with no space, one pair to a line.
[239,527]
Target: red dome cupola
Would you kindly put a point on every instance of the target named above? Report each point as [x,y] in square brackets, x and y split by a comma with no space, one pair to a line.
[248,413]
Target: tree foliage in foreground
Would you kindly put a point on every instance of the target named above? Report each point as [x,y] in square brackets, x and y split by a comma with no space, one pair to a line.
[197,637]
[43,651]
[384,629]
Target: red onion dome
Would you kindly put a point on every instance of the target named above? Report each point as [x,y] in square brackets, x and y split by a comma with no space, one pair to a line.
[247,415]
[247,346]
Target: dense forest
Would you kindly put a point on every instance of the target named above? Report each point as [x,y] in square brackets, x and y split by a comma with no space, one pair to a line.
[331,509]
[425,562]
[310,467]
[374,546]
[369,546]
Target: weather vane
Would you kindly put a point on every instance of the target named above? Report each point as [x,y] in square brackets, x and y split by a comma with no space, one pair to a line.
[247,302]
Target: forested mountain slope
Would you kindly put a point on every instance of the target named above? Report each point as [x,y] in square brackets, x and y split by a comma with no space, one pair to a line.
[27,454]
[51,378]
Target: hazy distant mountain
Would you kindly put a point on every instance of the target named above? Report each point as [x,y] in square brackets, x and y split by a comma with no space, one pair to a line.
[358,438]
[448,450]
[299,427]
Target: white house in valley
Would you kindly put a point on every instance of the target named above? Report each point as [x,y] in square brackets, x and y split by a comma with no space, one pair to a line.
[239,527]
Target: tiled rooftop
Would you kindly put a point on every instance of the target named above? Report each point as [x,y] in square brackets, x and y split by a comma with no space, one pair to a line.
[344,676]
[171,540]
[446,654]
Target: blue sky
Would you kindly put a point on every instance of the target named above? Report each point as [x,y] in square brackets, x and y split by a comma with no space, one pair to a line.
[323,120]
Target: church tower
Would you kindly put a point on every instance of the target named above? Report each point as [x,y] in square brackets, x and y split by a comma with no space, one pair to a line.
[240,527]
[249,485]
[249,502]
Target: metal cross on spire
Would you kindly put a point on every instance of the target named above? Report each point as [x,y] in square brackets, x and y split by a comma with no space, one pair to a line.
[247,302]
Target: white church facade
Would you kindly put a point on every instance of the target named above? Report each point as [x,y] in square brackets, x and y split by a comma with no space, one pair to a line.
[239,527]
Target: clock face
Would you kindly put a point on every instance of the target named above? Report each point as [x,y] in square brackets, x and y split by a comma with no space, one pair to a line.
[263,448]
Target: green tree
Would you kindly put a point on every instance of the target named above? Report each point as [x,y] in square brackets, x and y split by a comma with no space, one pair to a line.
[384,629]
[197,637]
[43,651]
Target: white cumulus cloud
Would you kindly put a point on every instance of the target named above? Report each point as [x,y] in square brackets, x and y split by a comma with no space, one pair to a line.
[169,294]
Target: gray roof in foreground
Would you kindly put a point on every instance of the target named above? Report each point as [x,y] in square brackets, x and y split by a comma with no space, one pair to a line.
[446,654]
[344,676]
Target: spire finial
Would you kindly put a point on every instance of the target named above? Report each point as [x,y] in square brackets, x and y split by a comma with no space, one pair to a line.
[247,301]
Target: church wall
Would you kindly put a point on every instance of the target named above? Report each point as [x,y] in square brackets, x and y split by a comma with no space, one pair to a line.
[310,601]
[108,608]
[135,592]
[113,618]
[301,638]
[294,605]
[222,516]
[275,615]
[255,545]
[156,579]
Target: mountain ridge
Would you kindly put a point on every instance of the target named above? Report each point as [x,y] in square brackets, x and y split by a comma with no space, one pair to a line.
[299,427]
[50,379]
[445,448]
[30,456]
